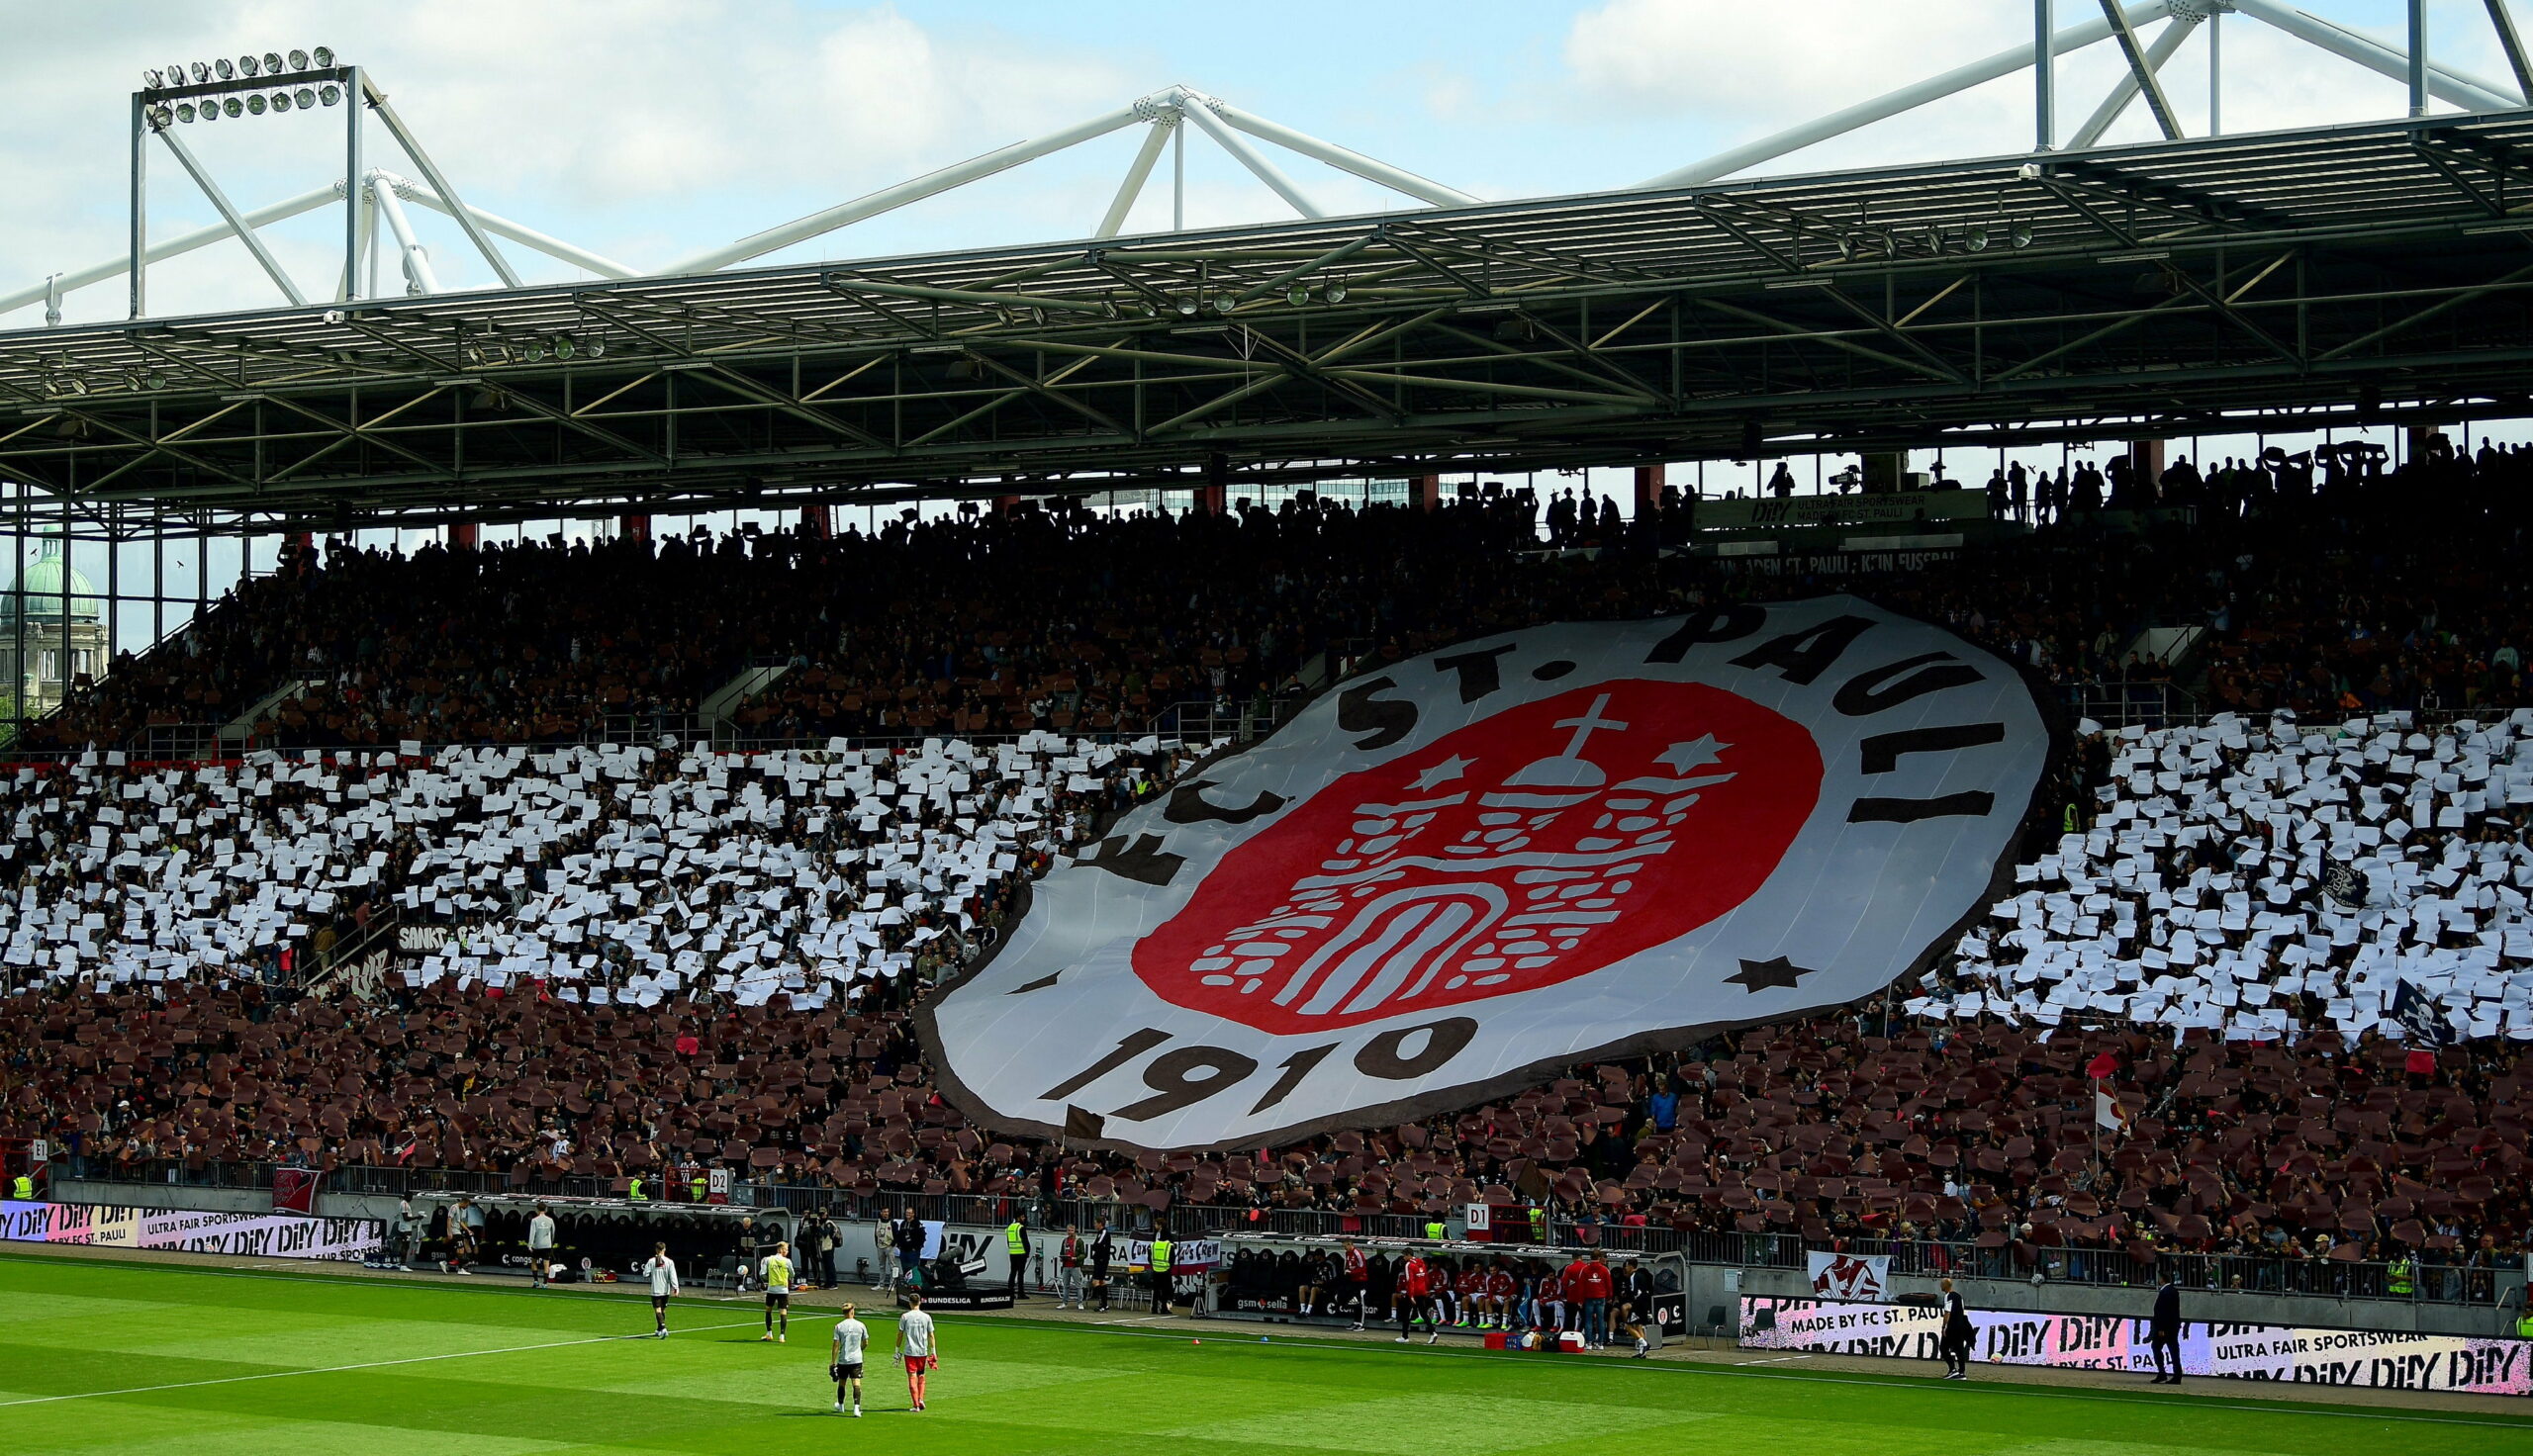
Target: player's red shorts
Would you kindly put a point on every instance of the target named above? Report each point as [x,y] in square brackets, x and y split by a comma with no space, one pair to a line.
[921,1364]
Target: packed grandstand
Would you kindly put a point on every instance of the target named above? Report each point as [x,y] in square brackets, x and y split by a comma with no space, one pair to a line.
[485,907]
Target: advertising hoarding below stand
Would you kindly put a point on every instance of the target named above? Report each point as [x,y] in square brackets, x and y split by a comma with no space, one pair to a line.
[2377,1359]
[191,1231]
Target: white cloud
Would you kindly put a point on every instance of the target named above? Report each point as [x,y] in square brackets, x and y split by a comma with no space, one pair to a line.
[648,130]
[1742,71]
[642,128]
[1770,64]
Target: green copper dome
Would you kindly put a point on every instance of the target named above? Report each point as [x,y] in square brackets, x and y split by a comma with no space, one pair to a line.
[41,585]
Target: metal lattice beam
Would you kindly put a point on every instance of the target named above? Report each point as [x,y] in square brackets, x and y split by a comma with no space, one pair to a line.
[2272,274]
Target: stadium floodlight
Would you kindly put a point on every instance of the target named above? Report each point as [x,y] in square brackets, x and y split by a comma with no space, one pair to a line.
[564,348]
[1336,290]
[2020,236]
[223,69]
[1187,307]
[249,67]
[305,97]
[202,72]
[330,93]
[153,79]
[234,106]
[162,116]
[272,62]
[299,60]
[1297,295]
[598,348]
[325,55]
[255,103]
[184,111]
[281,101]
[1977,240]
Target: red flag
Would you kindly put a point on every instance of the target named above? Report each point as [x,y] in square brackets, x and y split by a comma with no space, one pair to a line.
[2102,1066]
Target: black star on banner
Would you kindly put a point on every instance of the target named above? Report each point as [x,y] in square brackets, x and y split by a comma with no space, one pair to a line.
[1779,974]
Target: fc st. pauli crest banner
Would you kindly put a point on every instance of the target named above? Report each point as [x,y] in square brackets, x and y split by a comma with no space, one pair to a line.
[1451,874]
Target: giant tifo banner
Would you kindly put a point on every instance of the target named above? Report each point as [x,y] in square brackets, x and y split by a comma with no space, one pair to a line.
[192,1231]
[1449,875]
[2349,1357]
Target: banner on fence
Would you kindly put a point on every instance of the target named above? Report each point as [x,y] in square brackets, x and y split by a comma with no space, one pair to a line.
[2304,1355]
[1864,1277]
[294,1190]
[192,1231]
[1819,511]
[1453,875]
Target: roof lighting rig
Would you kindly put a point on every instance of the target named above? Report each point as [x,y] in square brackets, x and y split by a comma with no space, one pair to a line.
[196,92]
[208,90]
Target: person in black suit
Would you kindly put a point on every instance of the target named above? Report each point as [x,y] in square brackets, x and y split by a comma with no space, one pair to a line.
[1954,1342]
[2163,1333]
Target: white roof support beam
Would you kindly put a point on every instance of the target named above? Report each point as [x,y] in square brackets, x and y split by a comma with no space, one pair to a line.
[159,252]
[2443,82]
[2503,22]
[229,214]
[1198,107]
[1145,156]
[364,247]
[1371,169]
[2175,32]
[439,183]
[2141,71]
[417,263]
[888,199]
[1907,98]
[519,232]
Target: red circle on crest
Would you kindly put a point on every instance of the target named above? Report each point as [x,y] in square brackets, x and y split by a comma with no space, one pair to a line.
[1527,849]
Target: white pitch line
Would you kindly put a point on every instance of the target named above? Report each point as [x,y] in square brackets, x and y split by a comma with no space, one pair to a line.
[1329,1342]
[182,1385]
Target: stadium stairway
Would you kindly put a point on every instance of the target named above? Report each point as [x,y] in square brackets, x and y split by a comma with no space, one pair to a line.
[719,708]
[238,732]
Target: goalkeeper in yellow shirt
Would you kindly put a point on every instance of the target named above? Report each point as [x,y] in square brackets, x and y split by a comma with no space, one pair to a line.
[776,1272]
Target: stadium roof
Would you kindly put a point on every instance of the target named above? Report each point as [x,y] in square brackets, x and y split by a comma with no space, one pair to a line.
[2162,288]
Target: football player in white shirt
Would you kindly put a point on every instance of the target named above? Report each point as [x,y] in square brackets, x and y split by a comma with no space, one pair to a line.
[662,1272]
[845,1367]
[916,1347]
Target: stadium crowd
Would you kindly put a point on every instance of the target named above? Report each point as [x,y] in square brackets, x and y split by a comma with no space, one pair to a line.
[623,960]
[2336,595]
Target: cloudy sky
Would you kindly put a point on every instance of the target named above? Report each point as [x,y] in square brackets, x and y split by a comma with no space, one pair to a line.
[647,131]
[650,130]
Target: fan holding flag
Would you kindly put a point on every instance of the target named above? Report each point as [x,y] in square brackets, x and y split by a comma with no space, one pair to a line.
[2109,1115]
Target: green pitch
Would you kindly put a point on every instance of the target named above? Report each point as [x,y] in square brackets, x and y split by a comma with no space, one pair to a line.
[107,1358]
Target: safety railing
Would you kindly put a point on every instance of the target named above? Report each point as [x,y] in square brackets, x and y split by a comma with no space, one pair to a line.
[2144,702]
